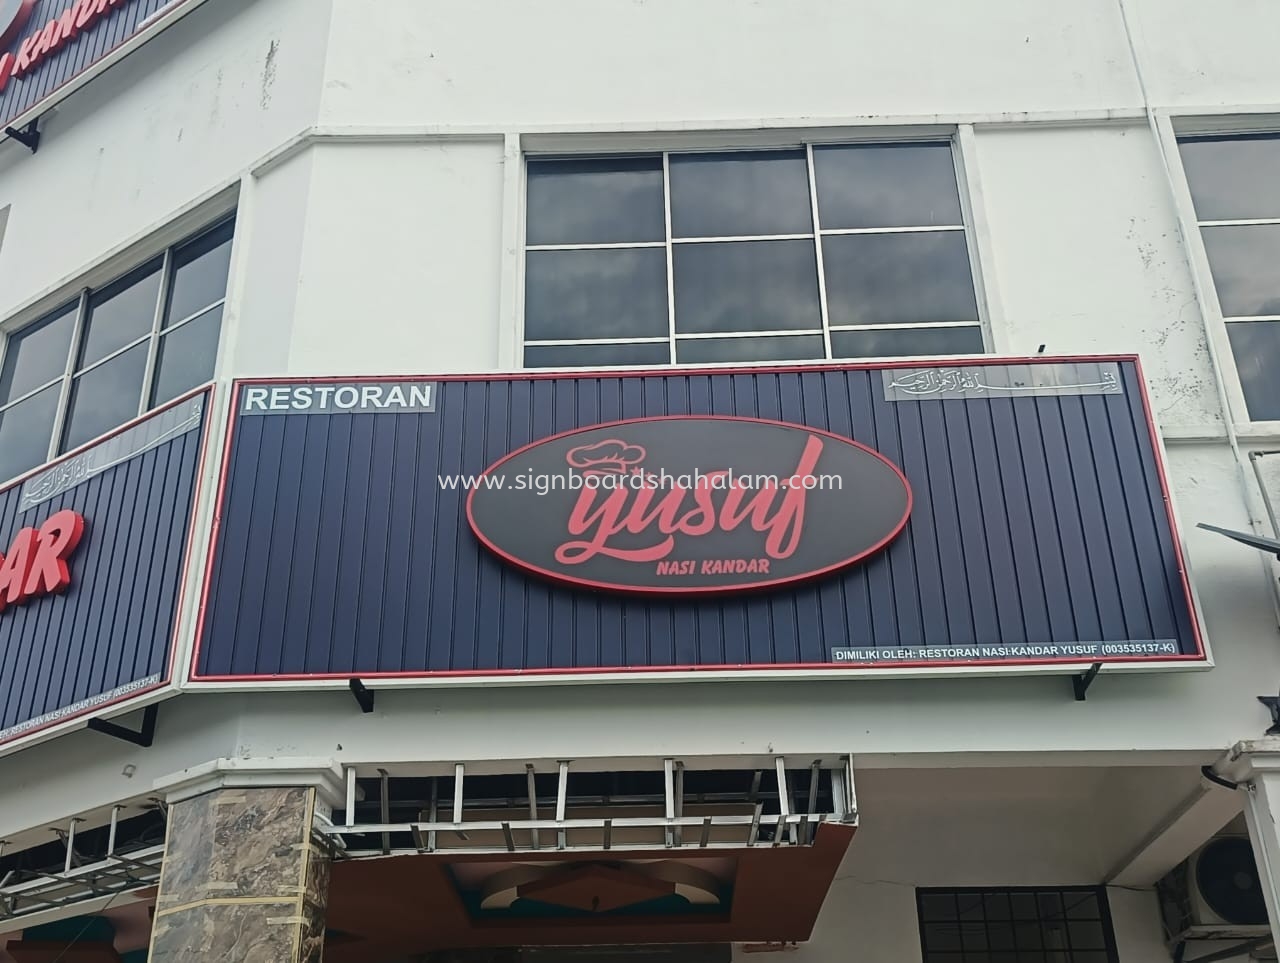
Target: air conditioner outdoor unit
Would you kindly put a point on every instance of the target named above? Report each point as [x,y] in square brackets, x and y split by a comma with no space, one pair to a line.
[1215,894]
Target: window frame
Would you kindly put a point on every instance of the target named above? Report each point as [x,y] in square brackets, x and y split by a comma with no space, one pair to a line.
[1099,892]
[155,333]
[551,147]
[1173,129]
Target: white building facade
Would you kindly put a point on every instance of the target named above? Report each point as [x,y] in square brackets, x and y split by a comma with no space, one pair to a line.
[281,193]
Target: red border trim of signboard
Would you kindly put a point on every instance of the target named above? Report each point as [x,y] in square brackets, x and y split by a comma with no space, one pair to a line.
[694,591]
[668,372]
[171,663]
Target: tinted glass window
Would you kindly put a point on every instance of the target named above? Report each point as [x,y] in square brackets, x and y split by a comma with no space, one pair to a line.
[596,355]
[109,382]
[186,356]
[595,201]
[898,278]
[120,314]
[1256,346]
[741,261]
[746,286]
[1233,178]
[104,397]
[808,347]
[1237,178]
[37,354]
[24,432]
[902,342]
[595,294]
[886,185]
[1246,268]
[199,274]
[740,193]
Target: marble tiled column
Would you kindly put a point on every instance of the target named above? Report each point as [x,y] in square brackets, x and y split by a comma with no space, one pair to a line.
[243,881]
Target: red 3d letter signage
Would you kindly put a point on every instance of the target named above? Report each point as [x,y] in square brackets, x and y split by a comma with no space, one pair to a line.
[36,563]
[49,38]
[691,505]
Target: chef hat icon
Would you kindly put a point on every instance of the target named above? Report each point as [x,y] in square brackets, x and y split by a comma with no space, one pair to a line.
[611,457]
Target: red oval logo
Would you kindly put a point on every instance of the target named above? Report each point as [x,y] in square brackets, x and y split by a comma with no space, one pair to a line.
[689,504]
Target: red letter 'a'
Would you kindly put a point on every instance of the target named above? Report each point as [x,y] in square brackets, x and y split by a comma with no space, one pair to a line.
[13,573]
[59,537]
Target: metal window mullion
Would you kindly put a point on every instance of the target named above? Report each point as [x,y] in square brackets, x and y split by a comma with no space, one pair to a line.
[817,250]
[1242,222]
[561,342]
[671,261]
[157,324]
[604,246]
[906,326]
[773,333]
[736,238]
[211,306]
[123,349]
[920,229]
[73,352]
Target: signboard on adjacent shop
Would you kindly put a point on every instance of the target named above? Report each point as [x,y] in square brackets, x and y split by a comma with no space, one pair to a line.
[850,518]
[92,553]
[49,47]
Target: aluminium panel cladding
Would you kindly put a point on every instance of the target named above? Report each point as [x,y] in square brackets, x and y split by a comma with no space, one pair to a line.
[1040,520]
[109,635]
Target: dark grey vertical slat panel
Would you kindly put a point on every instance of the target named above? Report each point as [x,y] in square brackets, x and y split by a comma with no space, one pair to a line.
[974,526]
[115,621]
[995,482]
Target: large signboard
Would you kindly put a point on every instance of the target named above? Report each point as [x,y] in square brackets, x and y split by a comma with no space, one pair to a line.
[48,47]
[979,514]
[92,553]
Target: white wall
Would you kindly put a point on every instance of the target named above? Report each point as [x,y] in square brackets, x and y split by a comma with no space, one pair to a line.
[1200,55]
[977,827]
[175,121]
[629,61]
[1088,258]
[401,260]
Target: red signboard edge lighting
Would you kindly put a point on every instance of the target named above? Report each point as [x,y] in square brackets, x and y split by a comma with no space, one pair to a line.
[833,669]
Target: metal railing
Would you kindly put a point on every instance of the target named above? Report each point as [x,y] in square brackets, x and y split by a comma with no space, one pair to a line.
[596,824]
[82,878]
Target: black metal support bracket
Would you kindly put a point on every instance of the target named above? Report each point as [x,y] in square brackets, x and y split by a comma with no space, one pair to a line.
[144,737]
[363,696]
[1273,706]
[1080,683]
[28,137]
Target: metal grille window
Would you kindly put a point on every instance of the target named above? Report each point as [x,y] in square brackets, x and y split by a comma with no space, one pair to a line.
[1235,185]
[113,353]
[1068,925]
[832,251]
